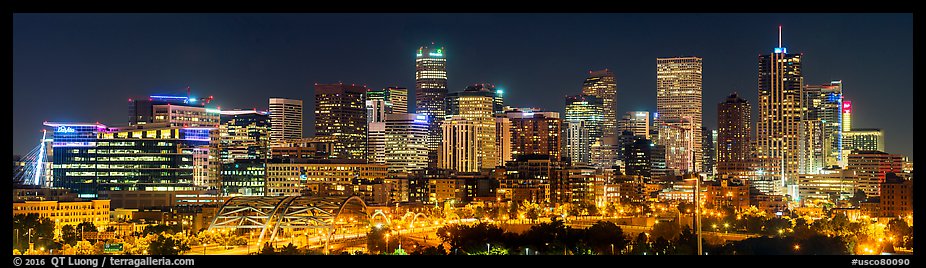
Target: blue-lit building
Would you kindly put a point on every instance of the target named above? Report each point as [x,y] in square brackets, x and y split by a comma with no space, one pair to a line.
[91,159]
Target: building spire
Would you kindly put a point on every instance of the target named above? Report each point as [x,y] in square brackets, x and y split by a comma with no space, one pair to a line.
[779,35]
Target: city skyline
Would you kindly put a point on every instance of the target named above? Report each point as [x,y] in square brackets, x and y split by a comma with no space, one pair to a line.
[190,59]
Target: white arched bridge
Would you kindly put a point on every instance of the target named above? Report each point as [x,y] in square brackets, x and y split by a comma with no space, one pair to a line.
[273,215]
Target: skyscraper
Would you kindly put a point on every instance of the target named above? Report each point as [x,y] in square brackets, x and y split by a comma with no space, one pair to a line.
[430,91]
[578,143]
[406,142]
[460,147]
[734,135]
[601,84]
[824,102]
[777,130]
[637,122]
[678,99]
[477,104]
[865,139]
[376,142]
[285,119]
[378,105]
[340,112]
[175,110]
[588,111]
[244,135]
[707,147]
[398,96]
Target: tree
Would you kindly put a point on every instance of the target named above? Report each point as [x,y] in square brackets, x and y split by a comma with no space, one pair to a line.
[166,245]
[267,249]
[69,235]
[376,239]
[641,245]
[603,236]
[289,249]
[31,227]
[858,198]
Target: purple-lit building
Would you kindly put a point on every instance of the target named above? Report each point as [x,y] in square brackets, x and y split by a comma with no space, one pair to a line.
[91,159]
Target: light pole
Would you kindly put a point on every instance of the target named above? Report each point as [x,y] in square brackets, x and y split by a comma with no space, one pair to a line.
[204,248]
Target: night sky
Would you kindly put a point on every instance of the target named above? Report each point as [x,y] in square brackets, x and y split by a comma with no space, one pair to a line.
[84,67]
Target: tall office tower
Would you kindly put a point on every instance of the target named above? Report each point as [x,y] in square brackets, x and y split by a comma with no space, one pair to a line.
[498,102]
[824,103]
[430,91]
[476,103]
[734,137]
[708,154]
[406,142]
[536,133]
[606,153]
[376,142]
[378,105]
[777,130]
[398,97]
[244,135]
[637,157]
[678,97]
[578,143]
[340,112]
[589,110]
[460,147]
[503,139]
[637,122]
[679,142]
[810,146]
[602,85]
[175,110]
[871,168]
[285,119]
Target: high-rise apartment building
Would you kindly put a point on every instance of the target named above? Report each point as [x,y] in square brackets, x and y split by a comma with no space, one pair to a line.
[340,112]
[536,133]
[376,142]
[734,137]
[708,145]
[378,105]
[430,91]
[864,139]
[778,127]
[602,85]
[578,142]
[285,119]
[824,103]
[678,98]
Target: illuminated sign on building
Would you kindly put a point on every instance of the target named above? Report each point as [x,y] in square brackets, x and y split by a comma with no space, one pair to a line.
[65,129]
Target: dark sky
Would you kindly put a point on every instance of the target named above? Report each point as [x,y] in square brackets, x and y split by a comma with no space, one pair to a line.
[84,67]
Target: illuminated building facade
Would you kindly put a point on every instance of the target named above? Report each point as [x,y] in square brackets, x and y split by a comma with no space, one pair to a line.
[636,122]
[678,97]
[477,104]
[430,91]
[406,142]
[637,157]
[824,103]
[588,111]
[285,119]
[91,158]
[460,148]
[503,138]
[288,178]
[176,110]
[829,186]
[378,105]
[303,148]
[869,139]
[67,212]
[398,98]
[896,199]
[340,112]
[708,155]
[244,135]
[376,142]
[536,133]
[734,137]
[578,143]
[778,127]
[678,140]
[602,85]
[871,168]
